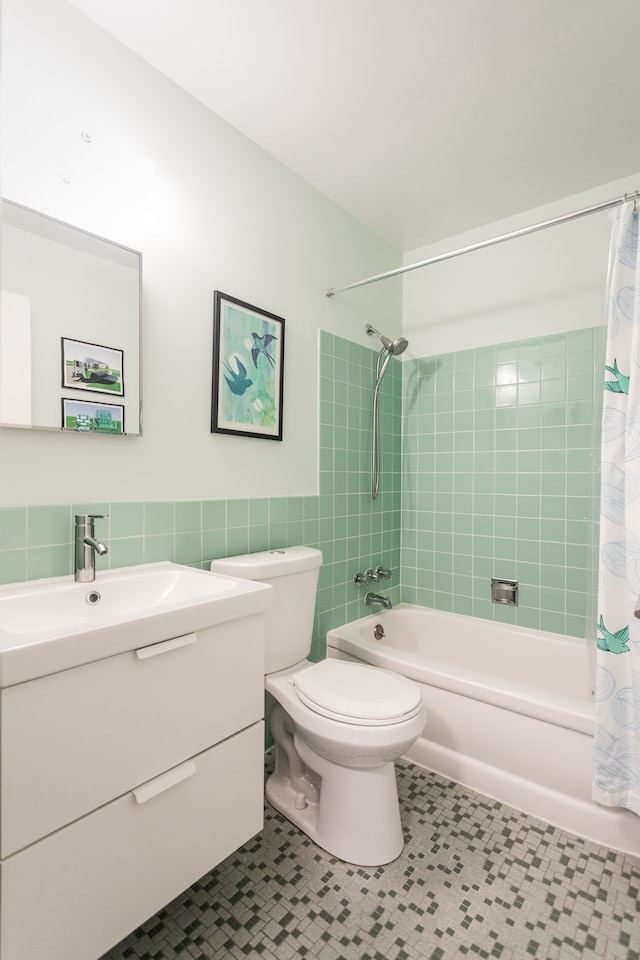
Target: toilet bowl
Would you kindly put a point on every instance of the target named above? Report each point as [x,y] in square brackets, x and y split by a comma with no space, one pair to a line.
[338,726]
[334,775]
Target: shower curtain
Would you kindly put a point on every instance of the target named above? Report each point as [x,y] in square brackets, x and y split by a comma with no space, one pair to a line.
[616,780]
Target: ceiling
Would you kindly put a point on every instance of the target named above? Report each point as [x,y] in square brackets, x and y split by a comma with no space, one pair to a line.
[422,118]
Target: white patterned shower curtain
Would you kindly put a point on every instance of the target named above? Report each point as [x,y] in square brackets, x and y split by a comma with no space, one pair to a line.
[616,780]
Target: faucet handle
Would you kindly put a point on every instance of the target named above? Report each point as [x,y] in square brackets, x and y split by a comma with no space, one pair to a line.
[363,579]
[381,574]
[83,517]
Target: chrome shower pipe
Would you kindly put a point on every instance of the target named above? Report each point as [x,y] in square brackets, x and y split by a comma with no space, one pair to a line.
[390,348]
[375,442]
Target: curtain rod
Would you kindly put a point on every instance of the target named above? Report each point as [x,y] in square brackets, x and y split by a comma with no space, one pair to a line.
[605,205]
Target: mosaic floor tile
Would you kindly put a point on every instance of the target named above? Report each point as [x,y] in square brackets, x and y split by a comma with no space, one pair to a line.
[476,879]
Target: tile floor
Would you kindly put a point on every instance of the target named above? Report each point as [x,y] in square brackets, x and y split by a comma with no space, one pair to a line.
[476,879]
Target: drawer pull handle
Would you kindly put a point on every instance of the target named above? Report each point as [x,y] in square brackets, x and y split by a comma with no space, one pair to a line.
[150,789]
[143,653]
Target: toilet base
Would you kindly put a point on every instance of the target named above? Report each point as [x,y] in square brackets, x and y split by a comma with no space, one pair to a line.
[284,799]
[357,815]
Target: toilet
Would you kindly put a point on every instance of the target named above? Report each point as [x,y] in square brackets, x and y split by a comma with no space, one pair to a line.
[338,726]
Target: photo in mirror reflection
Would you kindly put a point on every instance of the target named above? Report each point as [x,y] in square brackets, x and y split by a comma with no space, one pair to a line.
[69,292]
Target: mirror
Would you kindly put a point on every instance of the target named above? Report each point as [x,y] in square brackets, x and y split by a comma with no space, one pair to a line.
[69,327]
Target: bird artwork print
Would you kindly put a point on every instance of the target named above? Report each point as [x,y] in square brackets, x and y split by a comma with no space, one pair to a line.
[248,370]
[238,381]
[260,344]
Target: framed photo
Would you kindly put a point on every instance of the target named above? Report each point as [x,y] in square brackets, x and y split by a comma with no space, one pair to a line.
[248,370]
[90,366]
[85,416]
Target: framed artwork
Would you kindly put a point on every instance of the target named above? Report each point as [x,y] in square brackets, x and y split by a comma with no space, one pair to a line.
[85,416]
[90,366]
[248,370]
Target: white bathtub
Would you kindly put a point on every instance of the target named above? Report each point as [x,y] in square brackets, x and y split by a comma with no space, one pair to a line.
[509,711]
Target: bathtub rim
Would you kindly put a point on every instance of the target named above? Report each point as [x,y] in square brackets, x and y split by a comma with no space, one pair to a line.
[574,713]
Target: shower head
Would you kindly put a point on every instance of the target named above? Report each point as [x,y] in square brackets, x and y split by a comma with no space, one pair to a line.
[395,347]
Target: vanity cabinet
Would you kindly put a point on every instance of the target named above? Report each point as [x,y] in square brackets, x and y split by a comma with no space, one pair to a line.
[122,781]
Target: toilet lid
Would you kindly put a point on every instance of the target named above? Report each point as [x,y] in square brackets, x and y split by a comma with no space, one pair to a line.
[357,693]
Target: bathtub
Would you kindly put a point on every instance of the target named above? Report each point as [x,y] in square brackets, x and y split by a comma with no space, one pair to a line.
[509,711]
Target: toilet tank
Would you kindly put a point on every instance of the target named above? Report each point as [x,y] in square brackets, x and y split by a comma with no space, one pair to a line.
[293,574]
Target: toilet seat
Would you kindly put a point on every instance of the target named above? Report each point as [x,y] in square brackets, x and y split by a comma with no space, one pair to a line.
[357,693]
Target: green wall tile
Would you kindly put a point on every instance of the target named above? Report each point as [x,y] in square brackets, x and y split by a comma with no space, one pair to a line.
[125,552]
[237,513]
[259,511]
[13,528]
[188,547]
[126,520]
[13,566]
[188,516]
[158,518]
[51,561]
[214,544]
[48,525]
[277,537]
[259,537]
[158,547]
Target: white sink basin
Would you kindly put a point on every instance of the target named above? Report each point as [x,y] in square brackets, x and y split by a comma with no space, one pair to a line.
[54,605]
[50,625]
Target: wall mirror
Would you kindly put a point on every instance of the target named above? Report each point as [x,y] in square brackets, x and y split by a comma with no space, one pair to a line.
[70,327]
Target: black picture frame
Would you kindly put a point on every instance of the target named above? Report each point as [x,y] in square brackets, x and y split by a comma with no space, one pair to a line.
[248,369]
[87,416]
[92,366]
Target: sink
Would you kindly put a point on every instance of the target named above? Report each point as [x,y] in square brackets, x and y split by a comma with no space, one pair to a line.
[58,605]
[53,624]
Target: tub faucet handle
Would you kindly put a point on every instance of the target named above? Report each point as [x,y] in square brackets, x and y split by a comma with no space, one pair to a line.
[381,574]
[364,579]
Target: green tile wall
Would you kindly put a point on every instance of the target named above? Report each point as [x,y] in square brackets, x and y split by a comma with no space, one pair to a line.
[356,531]
[352,531]
[501,478]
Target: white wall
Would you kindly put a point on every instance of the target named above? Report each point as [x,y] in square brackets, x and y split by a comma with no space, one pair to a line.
[209,210]
[15,358]
[543,283]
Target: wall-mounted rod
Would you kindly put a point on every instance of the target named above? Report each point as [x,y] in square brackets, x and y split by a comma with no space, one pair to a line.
[564,218]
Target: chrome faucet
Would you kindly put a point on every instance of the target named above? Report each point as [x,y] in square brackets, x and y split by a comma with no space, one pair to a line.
[87,546]
[375,599]
[364,579]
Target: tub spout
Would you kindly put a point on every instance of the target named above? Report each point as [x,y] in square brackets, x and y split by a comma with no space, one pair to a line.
[375,600]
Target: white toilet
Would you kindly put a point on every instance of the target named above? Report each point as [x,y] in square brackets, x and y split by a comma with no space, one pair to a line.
[338,726]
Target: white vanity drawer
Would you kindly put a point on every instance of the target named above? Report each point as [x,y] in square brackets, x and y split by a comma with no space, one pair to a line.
[79,891]
[77,739]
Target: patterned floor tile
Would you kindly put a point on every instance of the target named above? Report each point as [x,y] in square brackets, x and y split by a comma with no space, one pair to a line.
[476,879]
